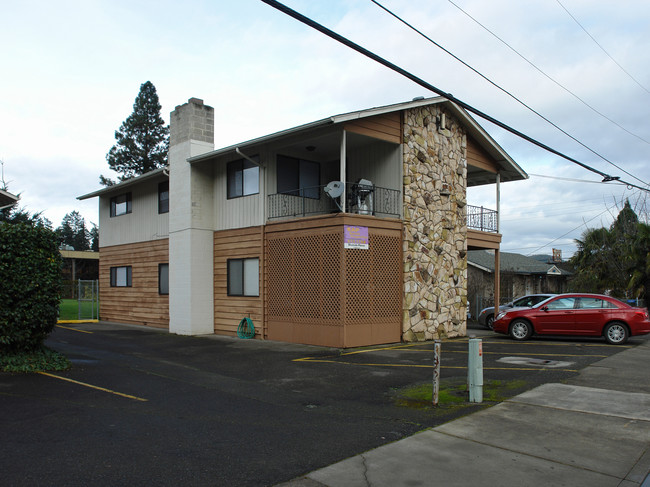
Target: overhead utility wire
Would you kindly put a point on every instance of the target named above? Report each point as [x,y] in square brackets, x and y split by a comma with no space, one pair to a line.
[550,78]
[602,48]
[343,40]
[505,91]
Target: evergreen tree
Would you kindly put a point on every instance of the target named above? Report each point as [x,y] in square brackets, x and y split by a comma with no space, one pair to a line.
[142,139]
[94,238]
[73,232]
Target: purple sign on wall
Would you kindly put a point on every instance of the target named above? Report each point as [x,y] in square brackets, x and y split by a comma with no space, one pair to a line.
[355,237]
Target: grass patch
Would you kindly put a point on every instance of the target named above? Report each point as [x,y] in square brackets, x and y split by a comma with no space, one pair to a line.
[39,360]
[69,310]
[453,394]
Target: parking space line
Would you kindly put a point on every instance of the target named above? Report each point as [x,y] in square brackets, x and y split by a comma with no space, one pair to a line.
[520,353]
[421,366]
[74,329]
[555,344]
[128,396]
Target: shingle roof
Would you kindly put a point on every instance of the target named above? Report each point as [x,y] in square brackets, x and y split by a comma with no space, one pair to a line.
[517,263]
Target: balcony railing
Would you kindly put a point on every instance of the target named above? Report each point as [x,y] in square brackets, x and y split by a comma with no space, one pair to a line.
[479,218]
[360,199]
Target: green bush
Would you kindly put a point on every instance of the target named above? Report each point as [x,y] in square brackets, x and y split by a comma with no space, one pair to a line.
[30,286]
[40,359]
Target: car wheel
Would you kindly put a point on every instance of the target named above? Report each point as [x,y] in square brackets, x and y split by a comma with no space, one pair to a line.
[616,333]
[521,330]
[489,322]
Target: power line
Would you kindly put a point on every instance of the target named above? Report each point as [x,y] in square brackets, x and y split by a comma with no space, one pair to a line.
[505,91]
[602,48]
[345,41]
[569,179]
[549,77]
[573,230]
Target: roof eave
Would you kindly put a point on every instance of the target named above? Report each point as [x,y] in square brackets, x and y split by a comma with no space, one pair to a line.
[125,184]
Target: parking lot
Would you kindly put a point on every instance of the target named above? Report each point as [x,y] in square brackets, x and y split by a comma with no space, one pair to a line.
[143,406]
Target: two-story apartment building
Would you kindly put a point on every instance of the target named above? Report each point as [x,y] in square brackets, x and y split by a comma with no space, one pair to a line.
[348,231]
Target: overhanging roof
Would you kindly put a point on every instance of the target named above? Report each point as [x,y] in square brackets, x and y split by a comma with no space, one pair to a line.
[125,184]
[7,199]
[508,168]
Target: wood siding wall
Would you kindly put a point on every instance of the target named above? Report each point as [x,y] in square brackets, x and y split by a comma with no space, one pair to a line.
[139,304]
[387,127]
[478,157]
[229,310]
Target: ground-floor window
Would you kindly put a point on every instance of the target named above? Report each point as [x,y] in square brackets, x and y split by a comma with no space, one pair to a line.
[121,276]
[244,277]
[163,278]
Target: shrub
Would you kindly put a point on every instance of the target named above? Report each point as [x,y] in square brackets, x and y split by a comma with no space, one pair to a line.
[30,286]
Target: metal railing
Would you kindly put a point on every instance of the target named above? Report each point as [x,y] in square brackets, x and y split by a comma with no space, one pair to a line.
[360,199]
[483,219]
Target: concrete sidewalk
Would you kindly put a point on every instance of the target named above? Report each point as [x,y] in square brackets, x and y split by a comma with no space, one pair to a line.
[592,432]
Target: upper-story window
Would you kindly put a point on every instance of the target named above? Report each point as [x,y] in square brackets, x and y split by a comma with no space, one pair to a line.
[243,178]
[163,197]
[121,205]
[298,177]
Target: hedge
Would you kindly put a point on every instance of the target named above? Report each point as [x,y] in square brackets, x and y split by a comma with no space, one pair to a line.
[30,286]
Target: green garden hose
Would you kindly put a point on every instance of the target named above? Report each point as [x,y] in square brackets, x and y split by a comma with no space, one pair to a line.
[246,328]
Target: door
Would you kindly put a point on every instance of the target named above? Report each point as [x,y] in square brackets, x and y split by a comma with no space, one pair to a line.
[557,317]
[591,315]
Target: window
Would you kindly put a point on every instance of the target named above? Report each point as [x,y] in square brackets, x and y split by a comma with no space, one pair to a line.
[121,276]
[595,303]
[561,303]
[298,177]
[121,205]
[163,197]
[243,277]
[163,278]
[243,178]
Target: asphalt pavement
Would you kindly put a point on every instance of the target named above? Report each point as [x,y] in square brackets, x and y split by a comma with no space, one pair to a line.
[593,430]
[140,406]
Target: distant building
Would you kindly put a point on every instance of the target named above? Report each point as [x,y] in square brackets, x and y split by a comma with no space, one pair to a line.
[520,275]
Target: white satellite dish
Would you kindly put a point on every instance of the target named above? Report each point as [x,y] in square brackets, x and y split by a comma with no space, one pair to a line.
[334,190]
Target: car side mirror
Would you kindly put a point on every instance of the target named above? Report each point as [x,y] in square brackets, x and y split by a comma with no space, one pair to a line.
[544,308]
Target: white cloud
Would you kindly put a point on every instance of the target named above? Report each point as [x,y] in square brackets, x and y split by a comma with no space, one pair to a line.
[76,67]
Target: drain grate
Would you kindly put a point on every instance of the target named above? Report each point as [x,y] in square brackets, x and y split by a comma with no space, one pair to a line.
[534,361]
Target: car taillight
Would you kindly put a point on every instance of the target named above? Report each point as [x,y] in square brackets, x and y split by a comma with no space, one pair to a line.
[643,314]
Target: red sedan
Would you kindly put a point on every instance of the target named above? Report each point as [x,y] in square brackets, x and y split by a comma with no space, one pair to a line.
[577,315]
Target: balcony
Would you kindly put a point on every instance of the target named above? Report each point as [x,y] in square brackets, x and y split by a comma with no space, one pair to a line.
[482,219]
[361,199]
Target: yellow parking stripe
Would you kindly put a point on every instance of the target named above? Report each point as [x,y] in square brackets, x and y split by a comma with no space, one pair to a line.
[94,387]
[74,329]
[421,366]
[517,353]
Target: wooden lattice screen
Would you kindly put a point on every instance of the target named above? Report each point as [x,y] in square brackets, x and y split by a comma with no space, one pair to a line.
[320,293]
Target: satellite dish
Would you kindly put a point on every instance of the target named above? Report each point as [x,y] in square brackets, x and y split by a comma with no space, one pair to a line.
[334,190]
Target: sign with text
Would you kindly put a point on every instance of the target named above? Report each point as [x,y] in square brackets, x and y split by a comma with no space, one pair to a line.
[355,237]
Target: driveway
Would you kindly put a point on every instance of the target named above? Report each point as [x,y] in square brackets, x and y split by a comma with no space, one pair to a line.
[140,406]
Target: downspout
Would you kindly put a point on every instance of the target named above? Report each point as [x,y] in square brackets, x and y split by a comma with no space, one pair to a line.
[497,252]
[247,158]
[342,170]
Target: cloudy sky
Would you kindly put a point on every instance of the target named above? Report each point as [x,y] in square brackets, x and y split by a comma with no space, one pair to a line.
[72,69]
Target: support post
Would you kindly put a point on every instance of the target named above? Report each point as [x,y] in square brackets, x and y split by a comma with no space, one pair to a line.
[475,370]
[436,371]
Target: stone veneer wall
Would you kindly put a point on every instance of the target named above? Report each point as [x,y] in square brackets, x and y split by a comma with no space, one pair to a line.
[435,231]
